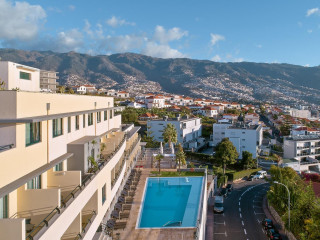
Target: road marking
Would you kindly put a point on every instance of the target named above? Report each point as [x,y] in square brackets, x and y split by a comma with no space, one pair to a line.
[242,223]
[258,221]
[240,199]
[255,213]
[225,233]
[245,232]
[239,203]
[256,206]
[240,215]
[239,209]
[220,223]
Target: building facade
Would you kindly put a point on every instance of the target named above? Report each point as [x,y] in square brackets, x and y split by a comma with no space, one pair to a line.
[48,81]
[64,158]
[189,131]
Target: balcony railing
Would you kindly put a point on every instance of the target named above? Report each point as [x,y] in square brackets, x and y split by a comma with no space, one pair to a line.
[6,147]
[117,174]
[69,198]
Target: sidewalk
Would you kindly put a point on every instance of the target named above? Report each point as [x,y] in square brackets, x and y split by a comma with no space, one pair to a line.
[268,215]
[210,220]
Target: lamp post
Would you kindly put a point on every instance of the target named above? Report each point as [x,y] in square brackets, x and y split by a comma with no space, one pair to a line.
[288,199]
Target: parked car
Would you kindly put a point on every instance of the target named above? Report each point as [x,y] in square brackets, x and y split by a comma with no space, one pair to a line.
[229,187]
[251,178]
[218,204]
[223,192]
[260,174]
[267,223]
[273,234]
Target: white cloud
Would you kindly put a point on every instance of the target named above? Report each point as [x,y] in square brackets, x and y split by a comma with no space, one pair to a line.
[120,43]
[71,40]
[230,58]
[116,22]
[313,11]
[216,58]
[164,36]
[72,7]
[162,51]
[307,65]
[216,38]
[20,20]
[309,31]
[259,46]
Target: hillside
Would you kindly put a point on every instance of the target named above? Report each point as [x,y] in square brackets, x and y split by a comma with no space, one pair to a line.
[197,78]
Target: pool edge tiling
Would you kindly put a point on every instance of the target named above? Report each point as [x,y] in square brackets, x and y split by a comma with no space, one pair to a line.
[179,203]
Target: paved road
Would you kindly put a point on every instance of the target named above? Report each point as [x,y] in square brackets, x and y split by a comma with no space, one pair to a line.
[243,213]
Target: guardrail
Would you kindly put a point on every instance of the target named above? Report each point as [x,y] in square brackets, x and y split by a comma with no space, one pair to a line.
[72,195]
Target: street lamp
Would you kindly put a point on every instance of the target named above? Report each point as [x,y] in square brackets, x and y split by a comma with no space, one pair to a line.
[288,199]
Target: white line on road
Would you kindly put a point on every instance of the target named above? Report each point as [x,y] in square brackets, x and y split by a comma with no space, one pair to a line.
[239,203]
[220,223]
[245,232]
[242,223]
[240,215]
[239,209]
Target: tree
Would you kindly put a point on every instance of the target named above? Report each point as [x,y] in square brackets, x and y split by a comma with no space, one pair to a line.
[170,134]
[285,129]
[2,84]
[149,139]
[247,161]
[226,153]
[159,157]
[180,156]
[61,89]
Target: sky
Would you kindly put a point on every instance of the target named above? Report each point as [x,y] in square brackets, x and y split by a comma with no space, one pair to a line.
[273,31]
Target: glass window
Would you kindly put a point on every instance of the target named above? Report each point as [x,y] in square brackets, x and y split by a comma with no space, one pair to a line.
[98,117]
[33,133]
[104,194]
[34,183]
[84,120]
[111,114]
[77,122]
[69,124]
[90,119]
[58,167]
[57,127]
[105,115]
[25,75]
[4,207]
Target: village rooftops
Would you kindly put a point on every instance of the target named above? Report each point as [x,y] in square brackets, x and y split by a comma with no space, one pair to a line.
[303,137]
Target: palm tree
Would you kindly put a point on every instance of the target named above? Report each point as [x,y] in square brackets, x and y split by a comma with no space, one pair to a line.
[2,84]
[159,157]
[170,134]
[180,156]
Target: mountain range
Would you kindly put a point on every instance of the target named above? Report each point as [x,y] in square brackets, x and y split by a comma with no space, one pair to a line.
[136,73]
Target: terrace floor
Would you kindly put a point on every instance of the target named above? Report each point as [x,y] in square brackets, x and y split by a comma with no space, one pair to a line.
[130,232]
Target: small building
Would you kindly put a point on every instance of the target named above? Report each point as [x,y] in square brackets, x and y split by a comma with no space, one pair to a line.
[48,81]
[252,118]
[155,102]
[147,116]
[83,89]
[208,111]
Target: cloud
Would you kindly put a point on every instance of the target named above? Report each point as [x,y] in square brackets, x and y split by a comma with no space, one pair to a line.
[116,22]
[71,40]
[313,11]
[121,43]
[216,38]
[164,36]
[216,58]
[72,7]
[20,20]
[259,46]
[309,31]
[162,51]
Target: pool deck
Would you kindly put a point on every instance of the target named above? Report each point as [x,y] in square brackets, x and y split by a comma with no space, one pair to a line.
[130,232]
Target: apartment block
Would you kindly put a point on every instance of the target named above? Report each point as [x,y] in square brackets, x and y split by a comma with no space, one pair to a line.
[48,81]
[244,137]
[18,76]
[189,130]
[64,158]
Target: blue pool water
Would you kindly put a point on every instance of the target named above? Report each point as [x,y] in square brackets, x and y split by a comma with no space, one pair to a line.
[171,202]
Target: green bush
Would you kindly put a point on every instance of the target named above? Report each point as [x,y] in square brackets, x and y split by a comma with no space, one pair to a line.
[201,157]
[222,180]
[241,174]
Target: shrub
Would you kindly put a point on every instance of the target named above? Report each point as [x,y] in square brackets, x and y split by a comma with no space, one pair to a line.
[241,174]
[206,158]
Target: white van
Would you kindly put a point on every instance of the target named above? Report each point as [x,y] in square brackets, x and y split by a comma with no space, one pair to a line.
[218,204]
[261,174]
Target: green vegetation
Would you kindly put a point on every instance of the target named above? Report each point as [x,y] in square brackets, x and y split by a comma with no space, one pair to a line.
[180,156]
[232,175]
[149,139]
[277,148]
[247,161]
[305,207]
[232,111]
[158,158]
[285,129]
[201,157]
[226,154]
[176,174]
[170,134]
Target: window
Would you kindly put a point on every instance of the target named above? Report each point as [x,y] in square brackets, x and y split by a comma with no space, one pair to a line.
[4,207]
[58,167]
[77,122]
[104,195]
[33,133]
[34,183]
[105,115]
[111,114]
[25,76]
[69,124]
[84,120]
[90,119]
[57,127]
[98,117]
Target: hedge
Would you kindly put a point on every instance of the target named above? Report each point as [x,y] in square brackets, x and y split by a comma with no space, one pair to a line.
[241,174]
[222,181]
[206,158]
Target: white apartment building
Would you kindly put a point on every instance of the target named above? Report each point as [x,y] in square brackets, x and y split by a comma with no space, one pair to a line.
[208,111]
[18,76]
[300,113]
[244,137]
[305,149]
[63,161]
[189,131]
[252,118]
[155,102]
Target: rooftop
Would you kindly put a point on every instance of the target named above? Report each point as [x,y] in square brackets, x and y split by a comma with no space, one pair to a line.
[303,137]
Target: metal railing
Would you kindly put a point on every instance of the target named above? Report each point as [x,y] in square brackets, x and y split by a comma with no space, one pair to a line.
[72,195]
[6,147]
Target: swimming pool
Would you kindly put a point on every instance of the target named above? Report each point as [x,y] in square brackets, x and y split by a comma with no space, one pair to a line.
[170,202]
